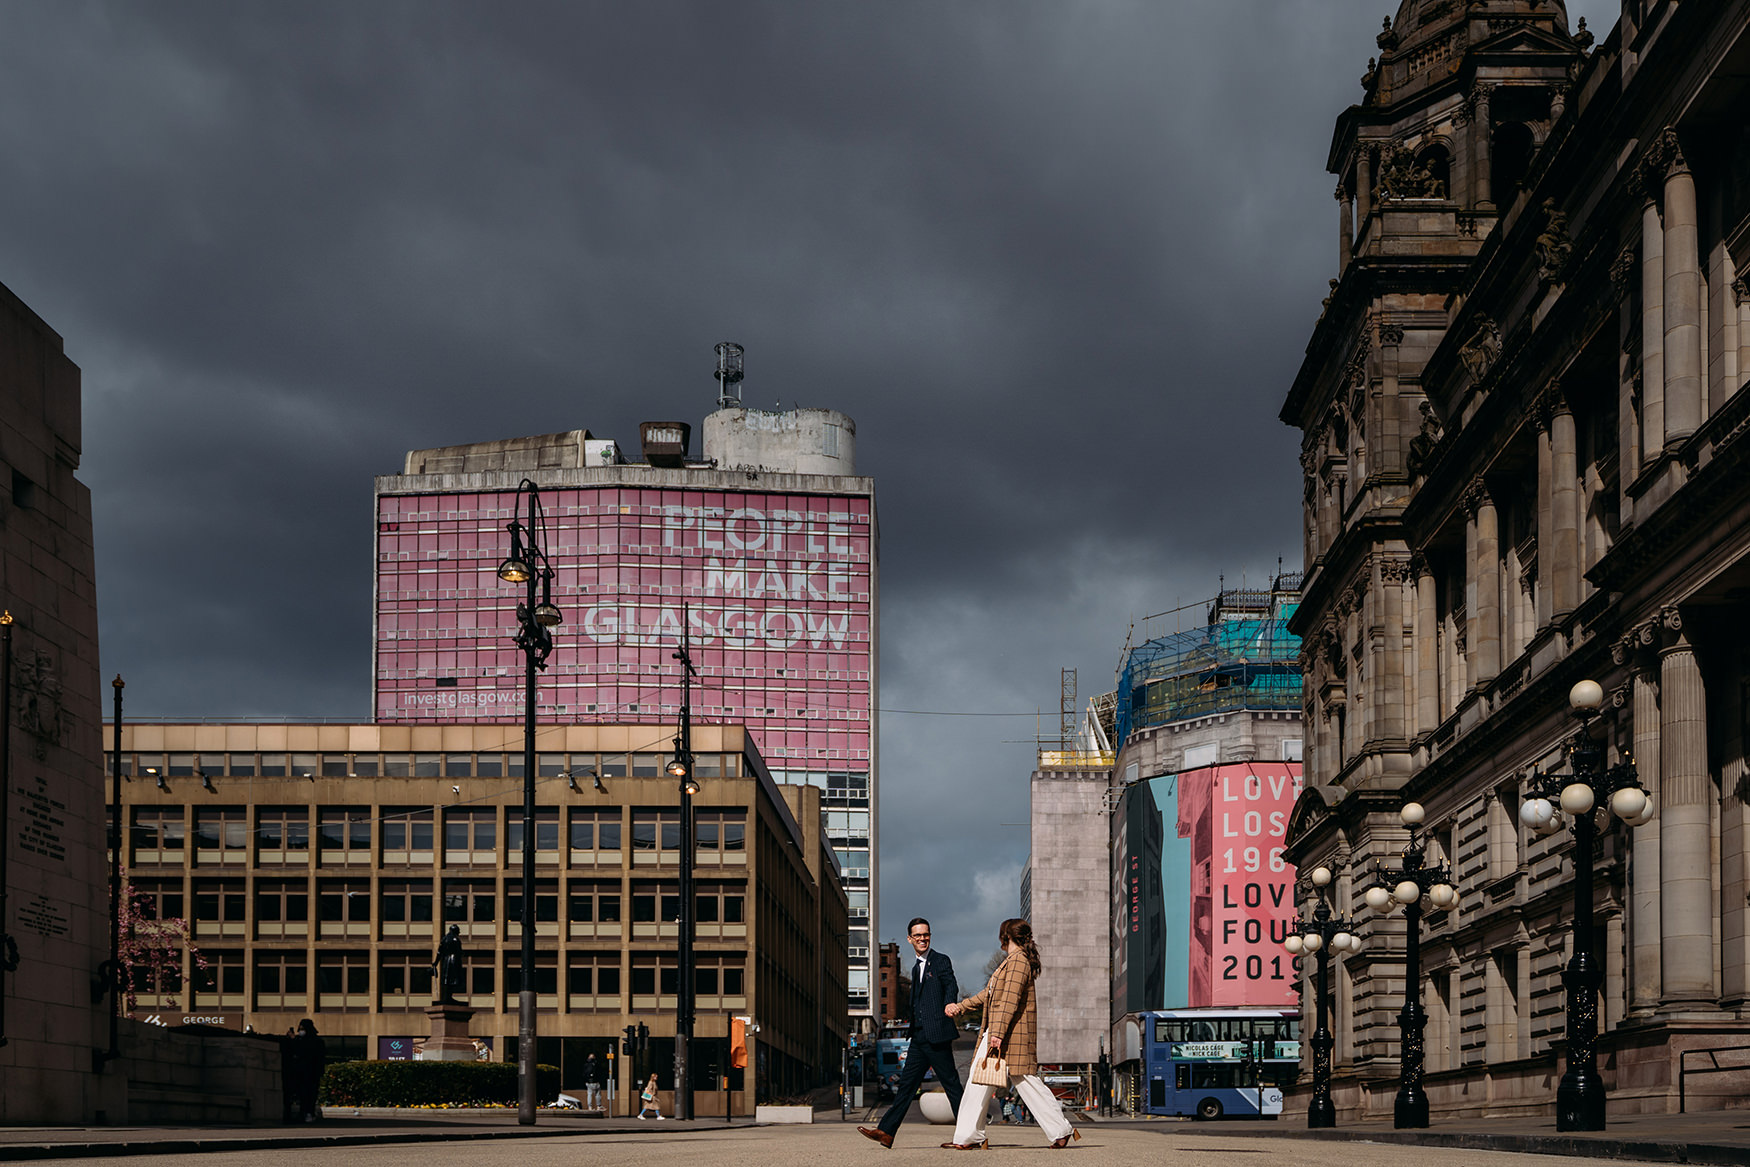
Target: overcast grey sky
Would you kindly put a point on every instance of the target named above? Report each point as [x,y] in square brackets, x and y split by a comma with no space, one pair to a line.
[1058,260]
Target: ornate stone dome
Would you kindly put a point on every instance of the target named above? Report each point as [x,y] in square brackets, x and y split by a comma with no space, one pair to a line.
[1419,21]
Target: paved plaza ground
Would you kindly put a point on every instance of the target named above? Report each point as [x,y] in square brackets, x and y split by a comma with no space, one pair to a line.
[388,1139]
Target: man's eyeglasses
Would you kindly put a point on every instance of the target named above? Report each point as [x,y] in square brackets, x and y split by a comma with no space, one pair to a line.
[920,935]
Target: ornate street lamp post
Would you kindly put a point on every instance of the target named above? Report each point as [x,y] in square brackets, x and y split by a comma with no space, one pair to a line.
[1580,1096]
[1322,935]
[1406,884]
[681,767]
[527,563]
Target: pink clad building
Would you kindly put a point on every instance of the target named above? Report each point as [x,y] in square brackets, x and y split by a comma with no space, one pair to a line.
[766,546]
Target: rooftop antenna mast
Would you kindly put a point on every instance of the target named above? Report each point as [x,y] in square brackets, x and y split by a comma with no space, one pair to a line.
[1067,713]
[729,375]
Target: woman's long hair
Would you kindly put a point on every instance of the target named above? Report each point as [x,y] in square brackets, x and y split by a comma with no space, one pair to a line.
[1020,933]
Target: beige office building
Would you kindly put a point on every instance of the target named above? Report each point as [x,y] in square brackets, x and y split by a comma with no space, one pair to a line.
[318,864]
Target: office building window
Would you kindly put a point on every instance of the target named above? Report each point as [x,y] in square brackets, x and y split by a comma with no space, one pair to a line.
[158,899]
[282,834]
[593,902]
[546,906]
[282,980]
[282,907]
[220,907]
[220,984]
[158,834]
[221,835]
[546,831]
[654,833]
[721,903]
[343,980]
[405,907]
[656,903]
[471,905]
[720,831]
[344,834]
[407,834]
[592,832]
[343,907]
[592,980]
[404,980]
[471,836]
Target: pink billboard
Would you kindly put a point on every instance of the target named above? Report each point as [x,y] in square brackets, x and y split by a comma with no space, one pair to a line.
[1241,890]
[775,589]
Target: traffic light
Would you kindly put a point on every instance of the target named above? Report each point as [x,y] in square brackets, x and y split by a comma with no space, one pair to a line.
[626,1045]
[643,1037]
[738,1044]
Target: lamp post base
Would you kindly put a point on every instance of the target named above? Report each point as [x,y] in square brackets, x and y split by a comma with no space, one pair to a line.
[1410,1112]
[1320,1114]
[1580,1103]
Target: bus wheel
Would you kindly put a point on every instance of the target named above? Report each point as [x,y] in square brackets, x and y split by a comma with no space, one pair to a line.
[1209,1108]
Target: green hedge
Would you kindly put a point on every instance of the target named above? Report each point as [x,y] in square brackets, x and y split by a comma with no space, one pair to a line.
[431,1084]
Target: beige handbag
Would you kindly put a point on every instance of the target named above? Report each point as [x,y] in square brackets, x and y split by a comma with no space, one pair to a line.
[991,1070]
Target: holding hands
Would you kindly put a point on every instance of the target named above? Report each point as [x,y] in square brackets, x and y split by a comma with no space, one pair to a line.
[952,1009]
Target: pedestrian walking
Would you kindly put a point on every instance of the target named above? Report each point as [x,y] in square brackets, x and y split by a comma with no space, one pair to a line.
[1011,1027]
[651,1104]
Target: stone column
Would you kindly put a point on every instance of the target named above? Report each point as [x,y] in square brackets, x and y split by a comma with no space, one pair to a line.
[1368,691]
[1741,289]
[1482,126]
[1545,513]
[1628,432]
[1564,584]
[1644,955]
[1723,374]
[1427,649]
[1390,697]
[1345,228]
[1652,327]
[1485,569]
[1387,427]
[1363,186]
[1686,916]
[1683,380]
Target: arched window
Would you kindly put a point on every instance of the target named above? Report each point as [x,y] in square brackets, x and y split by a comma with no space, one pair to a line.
[1510,159]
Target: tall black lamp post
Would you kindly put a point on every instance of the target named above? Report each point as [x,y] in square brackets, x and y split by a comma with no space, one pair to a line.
[527,563]
[1406,884]
[681,767]
[1322,935]
[1580,1096]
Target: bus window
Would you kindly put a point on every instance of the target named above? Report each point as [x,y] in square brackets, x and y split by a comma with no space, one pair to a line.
[1157,1093]
[1214,1077]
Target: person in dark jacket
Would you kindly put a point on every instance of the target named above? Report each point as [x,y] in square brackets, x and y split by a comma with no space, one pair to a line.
[309,1059]
[932,1034]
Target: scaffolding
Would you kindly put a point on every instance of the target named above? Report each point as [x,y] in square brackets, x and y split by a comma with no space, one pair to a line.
[1241,657]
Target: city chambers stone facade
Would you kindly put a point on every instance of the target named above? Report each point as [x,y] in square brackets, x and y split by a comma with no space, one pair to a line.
[1524,455]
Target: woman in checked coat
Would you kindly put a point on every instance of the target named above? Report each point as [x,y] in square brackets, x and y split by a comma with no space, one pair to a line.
[1011,1029]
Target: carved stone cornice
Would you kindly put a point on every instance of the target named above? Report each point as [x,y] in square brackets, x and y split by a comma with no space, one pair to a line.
[1476,497]
[1342,194]
[1623,271]
[1671,153]
[1419,565]
[1390,336]
[1741,289]
[1395,571]
[1551,403]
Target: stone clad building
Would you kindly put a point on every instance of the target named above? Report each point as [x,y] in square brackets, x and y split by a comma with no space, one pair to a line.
[1523,418]
[319,864]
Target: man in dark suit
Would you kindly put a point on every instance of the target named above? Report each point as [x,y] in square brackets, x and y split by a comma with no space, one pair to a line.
[932,1033]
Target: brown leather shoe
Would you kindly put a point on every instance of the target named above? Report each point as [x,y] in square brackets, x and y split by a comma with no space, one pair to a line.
[876,1133]
[1064,1142]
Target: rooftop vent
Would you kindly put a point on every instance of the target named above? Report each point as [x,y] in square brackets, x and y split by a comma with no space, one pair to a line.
[665,442]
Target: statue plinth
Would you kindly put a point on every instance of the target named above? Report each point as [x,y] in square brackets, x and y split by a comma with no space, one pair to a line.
[449,1040]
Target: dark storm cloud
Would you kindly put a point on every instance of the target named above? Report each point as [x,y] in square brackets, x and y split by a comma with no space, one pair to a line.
[1058,260]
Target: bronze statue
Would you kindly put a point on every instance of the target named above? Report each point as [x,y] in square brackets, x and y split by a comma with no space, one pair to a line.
[447,964]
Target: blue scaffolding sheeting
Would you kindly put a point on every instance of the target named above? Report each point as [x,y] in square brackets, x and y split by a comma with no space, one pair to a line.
[1243,658]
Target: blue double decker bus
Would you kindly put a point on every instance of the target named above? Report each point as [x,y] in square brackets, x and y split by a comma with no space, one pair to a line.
[1210,1063]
